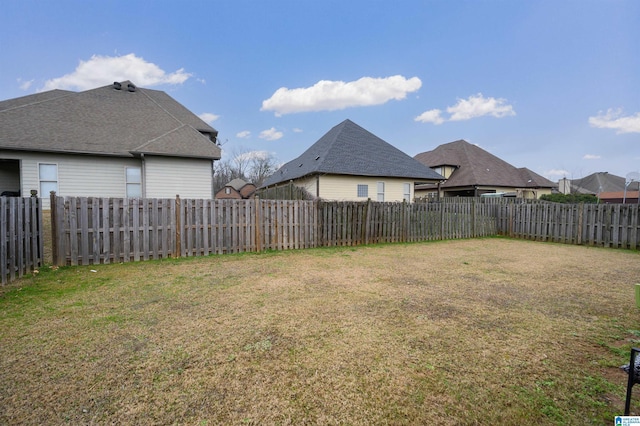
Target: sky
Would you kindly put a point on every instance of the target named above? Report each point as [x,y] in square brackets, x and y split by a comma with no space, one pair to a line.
[553,86]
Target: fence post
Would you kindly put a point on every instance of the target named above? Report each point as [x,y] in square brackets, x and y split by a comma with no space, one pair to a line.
[54,227]
[258,225]
[178,227]
[474,206]
[580,218]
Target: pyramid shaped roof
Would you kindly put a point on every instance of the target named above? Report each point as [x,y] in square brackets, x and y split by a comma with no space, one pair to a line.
[348,149]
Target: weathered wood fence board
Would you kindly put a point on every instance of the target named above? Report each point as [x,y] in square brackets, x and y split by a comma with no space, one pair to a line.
[21,240]
[603,225]
[105,230]
[111,230]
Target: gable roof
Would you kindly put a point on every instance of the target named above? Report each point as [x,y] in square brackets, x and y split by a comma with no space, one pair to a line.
[475,166]
[237,184]
[105,121]
[348,149]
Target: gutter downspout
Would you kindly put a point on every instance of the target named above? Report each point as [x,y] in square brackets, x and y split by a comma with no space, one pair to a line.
[144,176]
[318,186]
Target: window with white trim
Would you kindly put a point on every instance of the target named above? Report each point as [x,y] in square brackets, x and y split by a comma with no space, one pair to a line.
[133,182]
[407,192]
[363,191]
[380,191]
[48,177]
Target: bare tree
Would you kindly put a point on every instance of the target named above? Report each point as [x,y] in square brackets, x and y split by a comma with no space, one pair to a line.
[250,166]
[262,166]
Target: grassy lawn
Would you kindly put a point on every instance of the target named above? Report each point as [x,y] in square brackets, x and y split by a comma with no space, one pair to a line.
[487,331]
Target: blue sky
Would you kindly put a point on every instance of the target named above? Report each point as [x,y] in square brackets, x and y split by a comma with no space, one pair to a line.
[549,85]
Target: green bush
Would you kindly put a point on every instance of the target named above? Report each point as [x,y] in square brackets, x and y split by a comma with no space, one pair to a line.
[570,198]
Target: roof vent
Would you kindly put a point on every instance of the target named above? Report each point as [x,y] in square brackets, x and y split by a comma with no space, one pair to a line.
[317,158]
[131,87]
[117,85]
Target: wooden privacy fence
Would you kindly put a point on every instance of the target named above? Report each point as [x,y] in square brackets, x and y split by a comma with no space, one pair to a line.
[21,240]
[604,225]
[105,230]
[349,223]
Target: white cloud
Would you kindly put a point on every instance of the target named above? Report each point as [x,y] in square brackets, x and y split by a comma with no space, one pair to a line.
[431,116]
[328,95]
[296,130]
[591,157]
[208,118]
[472,107]
[271,134]
[557,173]
[258,155]
[25,85]
[102,70]
[613,119]
[478,106]
[243,134]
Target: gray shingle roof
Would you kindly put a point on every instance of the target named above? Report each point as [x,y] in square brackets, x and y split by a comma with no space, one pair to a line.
[598,182]
[475,166]
[348,149]
[105,121]
[237,184]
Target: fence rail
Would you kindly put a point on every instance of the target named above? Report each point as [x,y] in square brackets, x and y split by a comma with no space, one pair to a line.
[21,242]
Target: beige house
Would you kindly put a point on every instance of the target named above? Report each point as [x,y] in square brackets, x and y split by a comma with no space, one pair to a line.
[349,163]
[471,171]
[114,141]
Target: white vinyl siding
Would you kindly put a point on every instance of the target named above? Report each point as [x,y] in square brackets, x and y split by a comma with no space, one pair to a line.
[78,175]
[166,177]
[345,188]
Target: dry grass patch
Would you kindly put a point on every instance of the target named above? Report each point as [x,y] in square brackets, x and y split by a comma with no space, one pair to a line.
[491,331]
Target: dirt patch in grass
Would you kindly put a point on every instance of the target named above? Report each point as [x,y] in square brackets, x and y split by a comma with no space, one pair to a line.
[490,331]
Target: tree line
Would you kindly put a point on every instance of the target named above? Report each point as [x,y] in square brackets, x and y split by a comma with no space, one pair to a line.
[250,166]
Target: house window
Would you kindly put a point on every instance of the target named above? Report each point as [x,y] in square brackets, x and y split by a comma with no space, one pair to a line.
[380,191]
[363,191]
[133,182]
[227,190]
[48,176]
[407,192]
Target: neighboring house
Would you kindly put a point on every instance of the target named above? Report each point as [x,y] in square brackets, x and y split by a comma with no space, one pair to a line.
[114,141]
[349,163]
[619,197]
[237,189]
[593,184]
[471,171]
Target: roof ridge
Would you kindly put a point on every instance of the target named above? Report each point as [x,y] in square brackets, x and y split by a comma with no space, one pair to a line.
[143,91]
[64,93]
[150,141]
